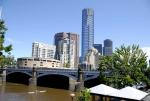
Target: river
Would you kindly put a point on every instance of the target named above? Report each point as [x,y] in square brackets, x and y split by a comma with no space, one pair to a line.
[19,92]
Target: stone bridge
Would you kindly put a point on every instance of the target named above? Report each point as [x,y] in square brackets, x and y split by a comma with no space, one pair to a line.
[71,73]
[42,76]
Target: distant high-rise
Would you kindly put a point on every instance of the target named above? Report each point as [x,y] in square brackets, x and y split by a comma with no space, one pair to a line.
[87,30]
[108,47]
[42,50]
[98,47]
[67,48]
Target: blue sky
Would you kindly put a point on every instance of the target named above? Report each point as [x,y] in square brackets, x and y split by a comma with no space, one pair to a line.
[123,21]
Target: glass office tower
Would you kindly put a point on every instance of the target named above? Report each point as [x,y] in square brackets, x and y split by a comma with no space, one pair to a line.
[87,30]
[108,47]
[99,48]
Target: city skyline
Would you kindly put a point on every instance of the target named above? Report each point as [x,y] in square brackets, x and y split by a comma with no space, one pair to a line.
[124,22]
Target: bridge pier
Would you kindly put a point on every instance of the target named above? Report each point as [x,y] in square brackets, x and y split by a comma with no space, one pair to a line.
[2,80]
[72,84]
[33,80]
[80,81]
[2,77]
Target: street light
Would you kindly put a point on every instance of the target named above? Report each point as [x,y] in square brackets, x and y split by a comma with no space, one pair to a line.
[72,96]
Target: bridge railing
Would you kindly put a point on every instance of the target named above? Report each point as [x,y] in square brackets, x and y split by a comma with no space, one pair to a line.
[52,69]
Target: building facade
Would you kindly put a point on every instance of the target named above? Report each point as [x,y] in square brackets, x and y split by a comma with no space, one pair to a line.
[108,47]
[92,58]
[99,48]
[42,50]
[87,30]
[38,62]
[67,49]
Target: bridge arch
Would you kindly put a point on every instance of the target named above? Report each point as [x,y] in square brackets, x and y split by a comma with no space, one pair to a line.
[23,72]
[18,77]
[92,81]
[61,74]
[91,77]
[54,80]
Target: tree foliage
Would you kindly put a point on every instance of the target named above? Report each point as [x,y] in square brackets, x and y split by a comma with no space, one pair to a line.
[67,65]
[84,95]
[10,61]
[127,67]
[3,49]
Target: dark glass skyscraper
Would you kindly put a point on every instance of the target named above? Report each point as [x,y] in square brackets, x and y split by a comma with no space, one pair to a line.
[87,30]
[98,47]
[108,47]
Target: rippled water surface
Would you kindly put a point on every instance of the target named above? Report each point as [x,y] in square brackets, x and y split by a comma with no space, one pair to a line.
[19,92]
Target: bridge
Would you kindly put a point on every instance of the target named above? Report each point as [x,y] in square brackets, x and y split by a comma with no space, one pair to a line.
[52,76]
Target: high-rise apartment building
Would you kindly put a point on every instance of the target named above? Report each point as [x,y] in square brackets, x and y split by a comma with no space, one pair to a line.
[87,30]
[67,49]
[42,50]
[108,47]
[98,47]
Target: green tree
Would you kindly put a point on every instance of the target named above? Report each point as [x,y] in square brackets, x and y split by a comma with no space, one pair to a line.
[67,65]
[84,95]
[105,65]
[3,49]
[127,66]
[10,61]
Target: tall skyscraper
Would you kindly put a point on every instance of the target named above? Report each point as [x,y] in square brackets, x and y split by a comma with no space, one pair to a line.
[67,48]
[87,30]
[108,47]
[99,48]
[42,50]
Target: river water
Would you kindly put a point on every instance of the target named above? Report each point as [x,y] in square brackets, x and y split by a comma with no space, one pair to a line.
[19,92]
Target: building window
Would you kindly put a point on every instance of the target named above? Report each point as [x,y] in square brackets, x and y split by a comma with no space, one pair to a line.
[36,59]
[41,63]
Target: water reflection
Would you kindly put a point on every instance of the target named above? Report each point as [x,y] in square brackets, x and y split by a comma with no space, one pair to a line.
[19,92]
